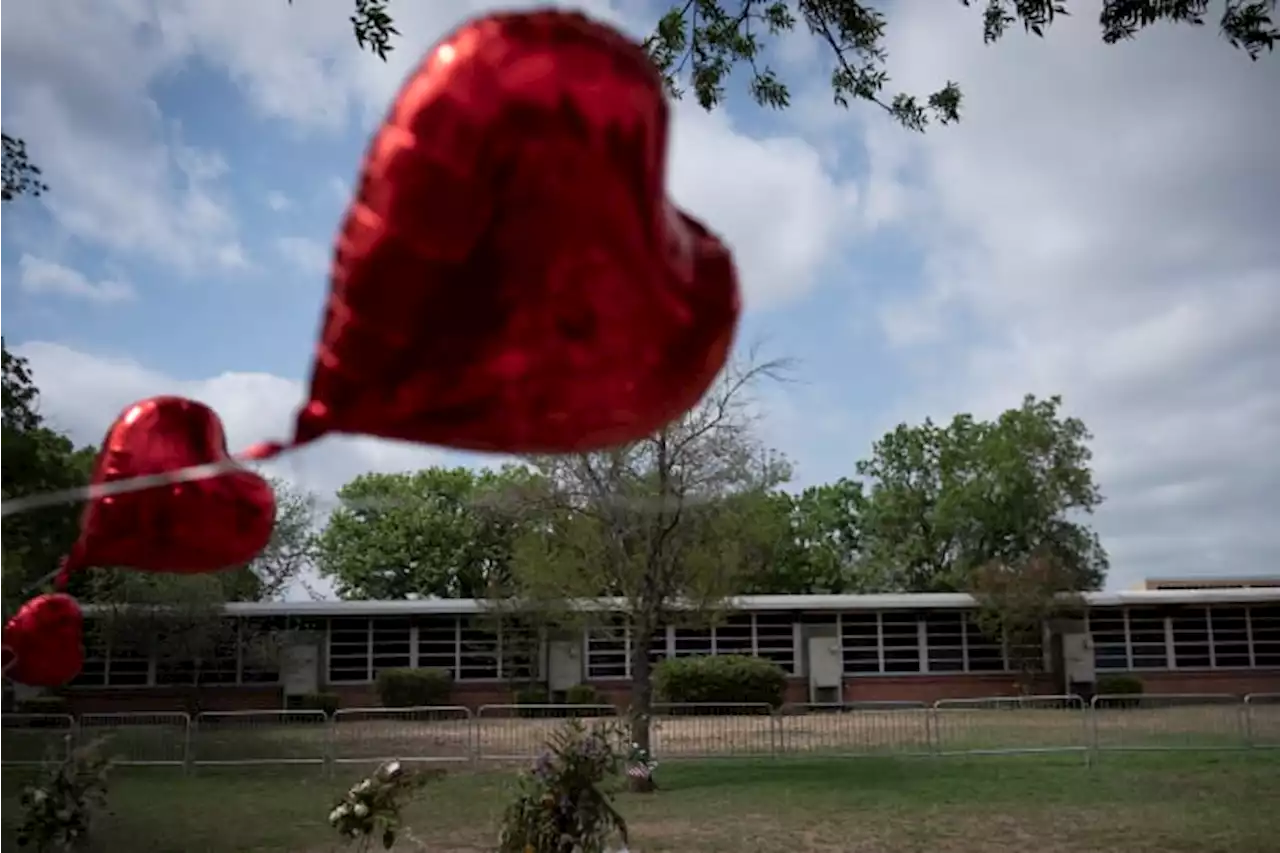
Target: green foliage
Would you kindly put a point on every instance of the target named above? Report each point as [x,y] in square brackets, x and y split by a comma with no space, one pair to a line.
[414,688]
[726,679]
[371,810]
[819,552]
[582,694]
[431,533]
[700,45]
[944,501]
[57,810]
[290,549]
[565,800]
[21,177]
[36,459]
[1122,685]
[327,702]
[531,694]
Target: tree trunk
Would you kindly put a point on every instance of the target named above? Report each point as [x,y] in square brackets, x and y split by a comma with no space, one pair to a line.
[641,702]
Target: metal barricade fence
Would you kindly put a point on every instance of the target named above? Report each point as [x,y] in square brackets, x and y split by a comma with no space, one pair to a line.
[1262,720]
[1011,724]
[1168,721]
[705,730]
[518,732]
[141,739]
[426,734]
[854,728]
[30,740]
[453,734]
[222,738]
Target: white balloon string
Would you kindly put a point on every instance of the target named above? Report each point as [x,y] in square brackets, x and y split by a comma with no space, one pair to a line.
[13,506]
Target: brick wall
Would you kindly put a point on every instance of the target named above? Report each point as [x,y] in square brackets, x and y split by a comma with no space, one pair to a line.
[913,688]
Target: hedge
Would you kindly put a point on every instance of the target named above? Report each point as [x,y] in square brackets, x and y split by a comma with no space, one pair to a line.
[411,688]
[720,680]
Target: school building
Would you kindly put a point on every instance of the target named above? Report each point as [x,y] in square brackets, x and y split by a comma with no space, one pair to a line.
[836,648]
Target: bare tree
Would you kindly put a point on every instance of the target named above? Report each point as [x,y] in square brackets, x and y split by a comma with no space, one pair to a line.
[671,525]
[293,542]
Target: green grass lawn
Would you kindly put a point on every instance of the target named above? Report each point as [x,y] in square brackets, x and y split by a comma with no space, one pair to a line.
[1125,803]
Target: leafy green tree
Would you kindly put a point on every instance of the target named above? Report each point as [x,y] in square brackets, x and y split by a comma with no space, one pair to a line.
[944,501]
[699,44]
[292,547]
[21,176]
[820,552]
[670,525]
[36,459]
[429,533]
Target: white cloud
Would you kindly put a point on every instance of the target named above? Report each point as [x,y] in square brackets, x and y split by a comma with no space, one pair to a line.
[278,201]
[81,394]
[1102,224]
[773,199]
[309,256]
[39,276]
[77,78]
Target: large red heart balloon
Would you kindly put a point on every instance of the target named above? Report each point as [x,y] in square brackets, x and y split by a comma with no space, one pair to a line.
[44,641]
[201,525]
[511,276]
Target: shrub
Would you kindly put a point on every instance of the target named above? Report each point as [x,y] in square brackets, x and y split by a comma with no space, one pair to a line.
[56,810]
[327,702]
[720,680]
[582,694]
[565,802]
[1121,685]
[528,696]
[411,688]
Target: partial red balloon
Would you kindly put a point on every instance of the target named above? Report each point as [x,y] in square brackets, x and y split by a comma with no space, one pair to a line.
[511,276]
[203,525]
[44,641]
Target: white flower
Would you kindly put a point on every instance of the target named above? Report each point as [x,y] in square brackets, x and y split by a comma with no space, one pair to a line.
[389,770]
[361,810]
[336,816]
[39,796]
[363,788]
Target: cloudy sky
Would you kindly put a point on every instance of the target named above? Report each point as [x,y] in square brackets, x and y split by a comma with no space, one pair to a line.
[1102,224]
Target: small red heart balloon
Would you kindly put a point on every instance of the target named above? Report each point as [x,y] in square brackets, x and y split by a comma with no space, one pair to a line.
[511,276]
[44,641]
[201,525]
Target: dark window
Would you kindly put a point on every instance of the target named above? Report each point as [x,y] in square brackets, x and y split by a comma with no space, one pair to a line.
[1230,629]
[520,646]
[479,657]
[658,645]
[860,643]
[733,635]
[1147,638]
[1110,648]
[692,642]
[1264,622]
[348,649]
[944,638]
[775,639]
[607,651]
[128,668]
[391,642]
[1190,627]
[901,641]
[986,653]
[438,643]
[261,643]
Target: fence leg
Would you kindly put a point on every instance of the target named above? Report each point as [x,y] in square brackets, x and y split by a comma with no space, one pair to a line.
[186,747]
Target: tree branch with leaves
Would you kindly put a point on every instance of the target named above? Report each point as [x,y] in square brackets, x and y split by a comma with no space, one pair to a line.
[671,525]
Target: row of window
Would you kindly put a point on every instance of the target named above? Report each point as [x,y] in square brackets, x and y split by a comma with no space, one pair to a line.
[1219,637]
[872,643]
[890,643]
[241,652]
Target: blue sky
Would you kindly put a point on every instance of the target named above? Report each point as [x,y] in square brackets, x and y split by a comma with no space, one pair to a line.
[1096,227]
